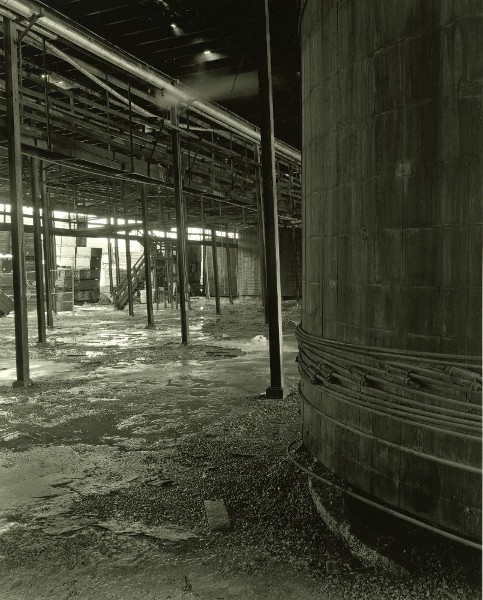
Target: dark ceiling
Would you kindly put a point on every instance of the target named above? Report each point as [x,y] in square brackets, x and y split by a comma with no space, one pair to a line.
[207,44]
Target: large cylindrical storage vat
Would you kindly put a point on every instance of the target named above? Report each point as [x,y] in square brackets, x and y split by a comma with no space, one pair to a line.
[390,340]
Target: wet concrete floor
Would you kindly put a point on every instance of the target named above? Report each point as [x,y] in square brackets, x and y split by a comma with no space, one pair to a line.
[106,459]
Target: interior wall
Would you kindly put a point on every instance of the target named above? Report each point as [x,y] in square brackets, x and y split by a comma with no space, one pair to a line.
[249,276]
[222,271]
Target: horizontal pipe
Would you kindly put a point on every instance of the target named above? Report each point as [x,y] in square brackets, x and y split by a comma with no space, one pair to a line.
[322,354]
[19,7]
[387,414]
[71,61]
[10,15]
[430,408]
[115,57]
[94,233]
[399,447]
[378,505]
[390,353]
[399,403]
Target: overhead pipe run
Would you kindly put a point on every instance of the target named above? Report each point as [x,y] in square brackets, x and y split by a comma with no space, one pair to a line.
[68,59]
[11,15]
[117,58]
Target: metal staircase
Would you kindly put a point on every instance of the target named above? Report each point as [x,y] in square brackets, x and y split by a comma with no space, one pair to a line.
[121,296]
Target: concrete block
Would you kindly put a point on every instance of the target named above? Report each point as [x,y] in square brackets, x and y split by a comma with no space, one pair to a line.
[217,515]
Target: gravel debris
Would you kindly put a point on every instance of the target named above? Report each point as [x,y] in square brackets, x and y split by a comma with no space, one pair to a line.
[232,447]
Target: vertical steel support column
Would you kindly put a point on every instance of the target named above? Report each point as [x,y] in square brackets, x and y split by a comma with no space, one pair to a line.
[236,237]
[16,203]
[109,249]
[47,250]
[155,281]
[128,256]
[147,259]
[261,234]
[116,255]
[180,225]
[173,284]
[109,258]
[39,275]
[116,242]
[165,275]
[116,250]
[206,283]
[215,269]
[53,262]
[228,266]
[270,212]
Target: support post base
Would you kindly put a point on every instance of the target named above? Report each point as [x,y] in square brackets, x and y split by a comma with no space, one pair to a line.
[22,384]
[274,393]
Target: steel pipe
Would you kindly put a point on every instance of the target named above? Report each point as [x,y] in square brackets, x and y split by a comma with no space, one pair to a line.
[117,58]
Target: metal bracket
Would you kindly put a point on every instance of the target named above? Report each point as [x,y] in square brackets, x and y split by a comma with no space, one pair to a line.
[30,23]
[186,106]
[193,162]
[158,134]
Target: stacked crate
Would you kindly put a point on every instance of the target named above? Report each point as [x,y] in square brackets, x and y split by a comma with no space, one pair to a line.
[65,251]
[195,274]
[63,289]
[6,274]
[87,275]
